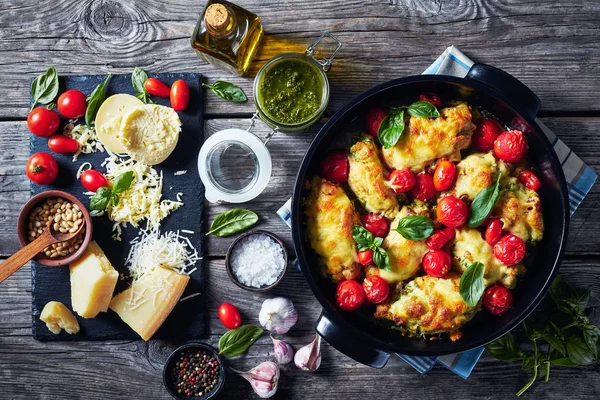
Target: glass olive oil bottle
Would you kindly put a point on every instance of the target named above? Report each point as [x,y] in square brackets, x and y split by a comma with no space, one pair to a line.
[227,36]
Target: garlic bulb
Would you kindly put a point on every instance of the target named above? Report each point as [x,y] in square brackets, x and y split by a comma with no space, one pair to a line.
[284,353]
[278,315]
[263,378]
[308,358]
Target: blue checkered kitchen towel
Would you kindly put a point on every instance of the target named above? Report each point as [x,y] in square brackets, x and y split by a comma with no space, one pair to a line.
[580,179]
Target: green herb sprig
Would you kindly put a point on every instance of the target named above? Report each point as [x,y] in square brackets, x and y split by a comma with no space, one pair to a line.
[392,126]
[483,204]
[415,227]
[138,79]
[227,91]
[94,101]
[366,241]
[232,221]
[238,340]
[105,195]
[44,87]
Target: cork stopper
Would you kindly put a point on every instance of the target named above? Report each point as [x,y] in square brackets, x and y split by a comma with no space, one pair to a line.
[217,16]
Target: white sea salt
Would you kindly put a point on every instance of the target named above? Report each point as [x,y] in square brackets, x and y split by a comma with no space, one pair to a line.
[257,261]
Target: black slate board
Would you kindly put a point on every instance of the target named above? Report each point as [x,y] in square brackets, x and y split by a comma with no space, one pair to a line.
[52,283]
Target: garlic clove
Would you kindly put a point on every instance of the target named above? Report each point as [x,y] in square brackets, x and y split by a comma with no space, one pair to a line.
[263,378]
[308,358]
[278,315]
[284,352]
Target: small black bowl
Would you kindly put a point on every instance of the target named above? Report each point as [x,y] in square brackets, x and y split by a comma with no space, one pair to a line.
[229,268]
[170,385]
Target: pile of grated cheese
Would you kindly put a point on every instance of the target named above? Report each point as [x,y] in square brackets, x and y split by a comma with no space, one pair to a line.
[86,137]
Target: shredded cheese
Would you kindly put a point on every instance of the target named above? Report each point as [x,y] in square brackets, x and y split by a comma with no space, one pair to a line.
[182,172]
[189,297]
[86,137]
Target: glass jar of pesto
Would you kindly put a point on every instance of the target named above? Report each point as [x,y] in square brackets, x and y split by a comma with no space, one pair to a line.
[291,91]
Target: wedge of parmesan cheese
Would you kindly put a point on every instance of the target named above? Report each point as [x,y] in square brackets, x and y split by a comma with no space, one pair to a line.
[58,317]
[109,117]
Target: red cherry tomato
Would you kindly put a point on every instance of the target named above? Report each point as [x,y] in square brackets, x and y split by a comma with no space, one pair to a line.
[444,175]
[487,131]
[377,224]
[530,180]
[230,316]
[42,168]
[510,250]
[431,98]
[157,88]
[376,289]
[510,146]
[335,167]
[452,211]
[180,95]
[424,190]
[365,257]
[72,104]
[63,144]
[350,295]
[402,180]
[493,232]
[497,299]
[440,238]
[42,122]
[93,180]
[437,263]
[373,120]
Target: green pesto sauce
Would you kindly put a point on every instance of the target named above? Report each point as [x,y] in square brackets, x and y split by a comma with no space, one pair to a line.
[291,91]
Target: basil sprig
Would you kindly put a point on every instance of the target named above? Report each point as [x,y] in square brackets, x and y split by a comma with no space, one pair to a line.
[238,340]
[415,227]
[44,87]
[138,78]
[104,195]
[94,101]
[483,204]
[366,241]
[392,126]
[227,91]
[472,284]
[232,221]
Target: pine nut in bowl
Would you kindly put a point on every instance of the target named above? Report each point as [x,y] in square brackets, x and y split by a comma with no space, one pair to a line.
[66,213]
[256,261]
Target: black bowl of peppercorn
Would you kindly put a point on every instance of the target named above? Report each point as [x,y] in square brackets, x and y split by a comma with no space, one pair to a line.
[194,371]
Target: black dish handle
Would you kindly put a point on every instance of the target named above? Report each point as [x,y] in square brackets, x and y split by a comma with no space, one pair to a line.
[508,85]
[344,342]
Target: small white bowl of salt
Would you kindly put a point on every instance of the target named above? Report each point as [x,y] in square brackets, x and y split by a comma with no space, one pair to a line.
[256,261]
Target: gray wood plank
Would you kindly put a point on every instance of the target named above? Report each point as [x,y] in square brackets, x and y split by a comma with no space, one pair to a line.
[550,46]
[120,369]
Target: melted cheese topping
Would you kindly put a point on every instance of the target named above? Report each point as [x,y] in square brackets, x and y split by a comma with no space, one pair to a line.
[520,210]
[476,172]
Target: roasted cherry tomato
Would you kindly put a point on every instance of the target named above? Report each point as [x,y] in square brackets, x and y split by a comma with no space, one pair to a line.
[335,167]
[424,189]
[444,175]
[497,299]
[157,88]
[230,316]
[93,180]
[487,131]
[452,211]
[350,295]
[63,144]
[72,104]
[42,122]
[431,98]
[377,224]
[437,263]
[530,180]
[402,180]
[373,120]
[440,238]
[510,250]
[493,232]
[376,289]
[510,146]
[180,95]
[365,257]
[42,168]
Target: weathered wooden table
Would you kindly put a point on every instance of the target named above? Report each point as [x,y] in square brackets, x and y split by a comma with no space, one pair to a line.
[552,46]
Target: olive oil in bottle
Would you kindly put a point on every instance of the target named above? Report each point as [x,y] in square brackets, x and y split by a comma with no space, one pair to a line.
[227,36]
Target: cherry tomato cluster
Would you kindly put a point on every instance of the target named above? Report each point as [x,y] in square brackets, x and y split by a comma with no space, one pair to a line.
[178,93]
[350,295]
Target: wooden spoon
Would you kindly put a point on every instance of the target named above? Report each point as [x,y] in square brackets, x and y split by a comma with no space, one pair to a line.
[20,258]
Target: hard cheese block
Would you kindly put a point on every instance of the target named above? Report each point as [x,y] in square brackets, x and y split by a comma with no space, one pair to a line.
[146,305]
[58,317]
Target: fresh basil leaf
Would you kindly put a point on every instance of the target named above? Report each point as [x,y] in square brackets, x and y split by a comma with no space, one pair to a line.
[505,348]
[381,258]
[591,336]
[472,284]
[95,100]
[363,238]
[232,221]
[529,362]
[553,341]
[44,87]
[122,182]
[483,204]
[378,241]
[423,109]
[563,361]
[579,352]
[391,128]
[100,199]
[562,293]
[238,340]
[138,78]
[115,199]
[415,227]
[227,91]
